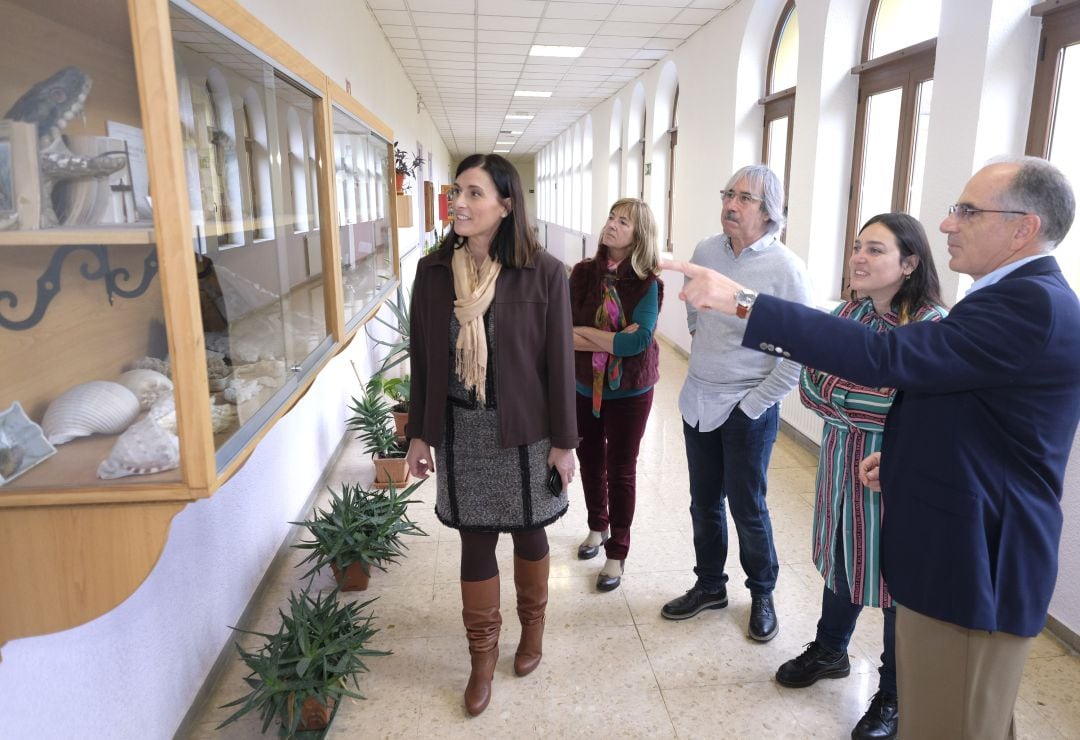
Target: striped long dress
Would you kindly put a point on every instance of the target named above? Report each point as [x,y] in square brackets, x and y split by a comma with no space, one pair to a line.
[854,417]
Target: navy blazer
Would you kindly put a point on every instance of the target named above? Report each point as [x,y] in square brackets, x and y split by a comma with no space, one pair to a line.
[976,441]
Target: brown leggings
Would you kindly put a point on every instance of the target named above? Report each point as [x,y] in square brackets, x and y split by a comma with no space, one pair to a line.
[478,561]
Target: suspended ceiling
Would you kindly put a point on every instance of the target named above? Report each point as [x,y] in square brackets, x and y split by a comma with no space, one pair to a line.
[467,57]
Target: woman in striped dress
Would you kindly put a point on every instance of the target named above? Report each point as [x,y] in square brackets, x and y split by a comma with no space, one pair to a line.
[893,282]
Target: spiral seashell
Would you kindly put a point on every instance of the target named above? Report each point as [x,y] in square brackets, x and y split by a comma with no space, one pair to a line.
[149,386]
[97,407]
[143,449]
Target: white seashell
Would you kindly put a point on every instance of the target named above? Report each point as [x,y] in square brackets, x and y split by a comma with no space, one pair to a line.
[143,449]
[97,407]
[149,386]
[164,413]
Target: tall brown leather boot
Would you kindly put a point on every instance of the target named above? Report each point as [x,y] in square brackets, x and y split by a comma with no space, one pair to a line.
[531,579]
[480,613]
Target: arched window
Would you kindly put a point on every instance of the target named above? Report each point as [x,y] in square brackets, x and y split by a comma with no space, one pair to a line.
[615,153]
[297,177]
[258,166]
[779,100]
[313,189]
[225,164]
[635,137]
[896,82]
[586,176]
[1055,113]
[576,162]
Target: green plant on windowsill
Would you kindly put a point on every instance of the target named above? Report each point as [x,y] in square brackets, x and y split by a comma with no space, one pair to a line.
[397,389]
[309,661]
[359,527]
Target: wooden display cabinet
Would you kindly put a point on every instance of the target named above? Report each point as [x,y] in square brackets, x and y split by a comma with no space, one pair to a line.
[162,256]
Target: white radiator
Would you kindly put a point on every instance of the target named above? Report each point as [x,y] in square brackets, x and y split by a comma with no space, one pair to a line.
[800,418]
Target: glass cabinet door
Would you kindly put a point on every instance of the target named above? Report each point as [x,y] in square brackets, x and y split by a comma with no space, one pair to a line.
[248,131]
[362,179]
[86,400]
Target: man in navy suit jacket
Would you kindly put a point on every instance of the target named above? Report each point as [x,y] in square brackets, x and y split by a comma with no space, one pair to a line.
[975,444]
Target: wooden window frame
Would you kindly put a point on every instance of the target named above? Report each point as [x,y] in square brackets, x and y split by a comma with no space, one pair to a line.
[673,141]
[905,69]
[1062,31]
[778,104]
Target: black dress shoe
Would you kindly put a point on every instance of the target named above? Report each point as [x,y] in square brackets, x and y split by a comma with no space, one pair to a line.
[880,721]
[763,622]
[693,602]
[586,551]
[817,661]
[605,582]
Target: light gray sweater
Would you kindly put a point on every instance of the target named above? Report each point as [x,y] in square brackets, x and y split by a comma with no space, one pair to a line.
[722,373]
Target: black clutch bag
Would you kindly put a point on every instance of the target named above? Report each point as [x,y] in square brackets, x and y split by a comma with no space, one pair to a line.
[554,482]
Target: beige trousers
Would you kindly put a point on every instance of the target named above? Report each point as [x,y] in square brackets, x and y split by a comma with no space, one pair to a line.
[956,683]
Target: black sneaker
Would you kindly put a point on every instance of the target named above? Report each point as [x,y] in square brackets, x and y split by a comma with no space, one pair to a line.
[693,602]
[880,721]
[817,661]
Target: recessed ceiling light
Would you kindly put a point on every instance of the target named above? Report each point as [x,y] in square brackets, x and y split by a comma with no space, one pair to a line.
[500,151]
[515,133]
[531,94]
[519,117]
[555,51]
[505,143]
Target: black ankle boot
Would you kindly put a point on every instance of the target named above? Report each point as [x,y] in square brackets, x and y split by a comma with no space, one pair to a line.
[880,721]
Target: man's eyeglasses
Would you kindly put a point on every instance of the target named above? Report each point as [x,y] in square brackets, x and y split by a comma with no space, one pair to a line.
[964,211]
[743,197]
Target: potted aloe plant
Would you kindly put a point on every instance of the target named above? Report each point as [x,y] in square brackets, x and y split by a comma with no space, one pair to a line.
[373,419]
[397,389]
[359,530]
[301,671]
[397,349]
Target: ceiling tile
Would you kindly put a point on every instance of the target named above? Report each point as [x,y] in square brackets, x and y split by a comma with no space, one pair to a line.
[696,16]
[677,31]
[562,39]
[581,11]
[447,34]
[387,4]
[400,32]
[393,17]
[643,14]
[506,23]
[521,8]
[467,7]
[440,45]
[568,25]
[619,41]
[443,20]
[627,28]
[505,37]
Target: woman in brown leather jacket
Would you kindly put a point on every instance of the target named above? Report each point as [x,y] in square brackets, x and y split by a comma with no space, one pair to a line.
[492,392]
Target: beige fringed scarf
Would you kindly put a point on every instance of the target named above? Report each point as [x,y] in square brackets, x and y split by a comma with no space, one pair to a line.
[475,289]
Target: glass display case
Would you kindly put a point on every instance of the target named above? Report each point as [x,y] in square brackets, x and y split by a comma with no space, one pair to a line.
[175,253]
[362,176]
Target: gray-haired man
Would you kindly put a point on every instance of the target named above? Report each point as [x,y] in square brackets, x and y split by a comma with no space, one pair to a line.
[730,403]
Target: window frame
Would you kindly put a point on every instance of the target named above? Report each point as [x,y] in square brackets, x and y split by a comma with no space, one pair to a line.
[780,103]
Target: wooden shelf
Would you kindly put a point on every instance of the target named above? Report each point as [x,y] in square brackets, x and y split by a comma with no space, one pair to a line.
[141,234]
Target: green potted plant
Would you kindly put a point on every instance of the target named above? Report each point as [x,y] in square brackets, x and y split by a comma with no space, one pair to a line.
[405,166]
[358,530]
[373,419]
[397,389]
[397,348]
[301,671]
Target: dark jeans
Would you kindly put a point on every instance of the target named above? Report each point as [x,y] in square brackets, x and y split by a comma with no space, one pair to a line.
[730,463]
[838,617]
[608,454]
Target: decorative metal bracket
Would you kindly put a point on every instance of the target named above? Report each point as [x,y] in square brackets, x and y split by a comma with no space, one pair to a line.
[48,285]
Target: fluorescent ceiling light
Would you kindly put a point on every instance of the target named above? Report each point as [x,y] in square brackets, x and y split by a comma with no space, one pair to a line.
[515,133]
[519,117]
[556,51]
[500,151]
[505,143]
[531,94]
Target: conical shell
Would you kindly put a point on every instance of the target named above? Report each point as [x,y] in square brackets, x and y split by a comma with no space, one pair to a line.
[97,407]
[143,449]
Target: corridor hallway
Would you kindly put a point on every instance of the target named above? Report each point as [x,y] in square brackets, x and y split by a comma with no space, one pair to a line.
[612,666]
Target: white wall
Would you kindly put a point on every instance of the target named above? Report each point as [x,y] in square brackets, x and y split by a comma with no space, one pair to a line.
[134,672]
[982,92]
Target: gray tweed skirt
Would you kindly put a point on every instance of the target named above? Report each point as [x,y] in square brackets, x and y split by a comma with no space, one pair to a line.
[481,485]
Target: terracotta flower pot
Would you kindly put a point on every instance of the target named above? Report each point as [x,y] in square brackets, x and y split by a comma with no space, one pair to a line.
[399,178]
[353,578]
[388,469]
[400,420]
[314,715]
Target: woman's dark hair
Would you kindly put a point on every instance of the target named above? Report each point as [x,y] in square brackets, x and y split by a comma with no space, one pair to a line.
[513,244]
[922,287]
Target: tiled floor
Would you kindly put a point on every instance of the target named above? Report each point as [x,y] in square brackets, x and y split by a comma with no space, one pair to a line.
[612,666]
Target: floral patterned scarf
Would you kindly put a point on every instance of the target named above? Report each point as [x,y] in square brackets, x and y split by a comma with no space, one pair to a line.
[609,317]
